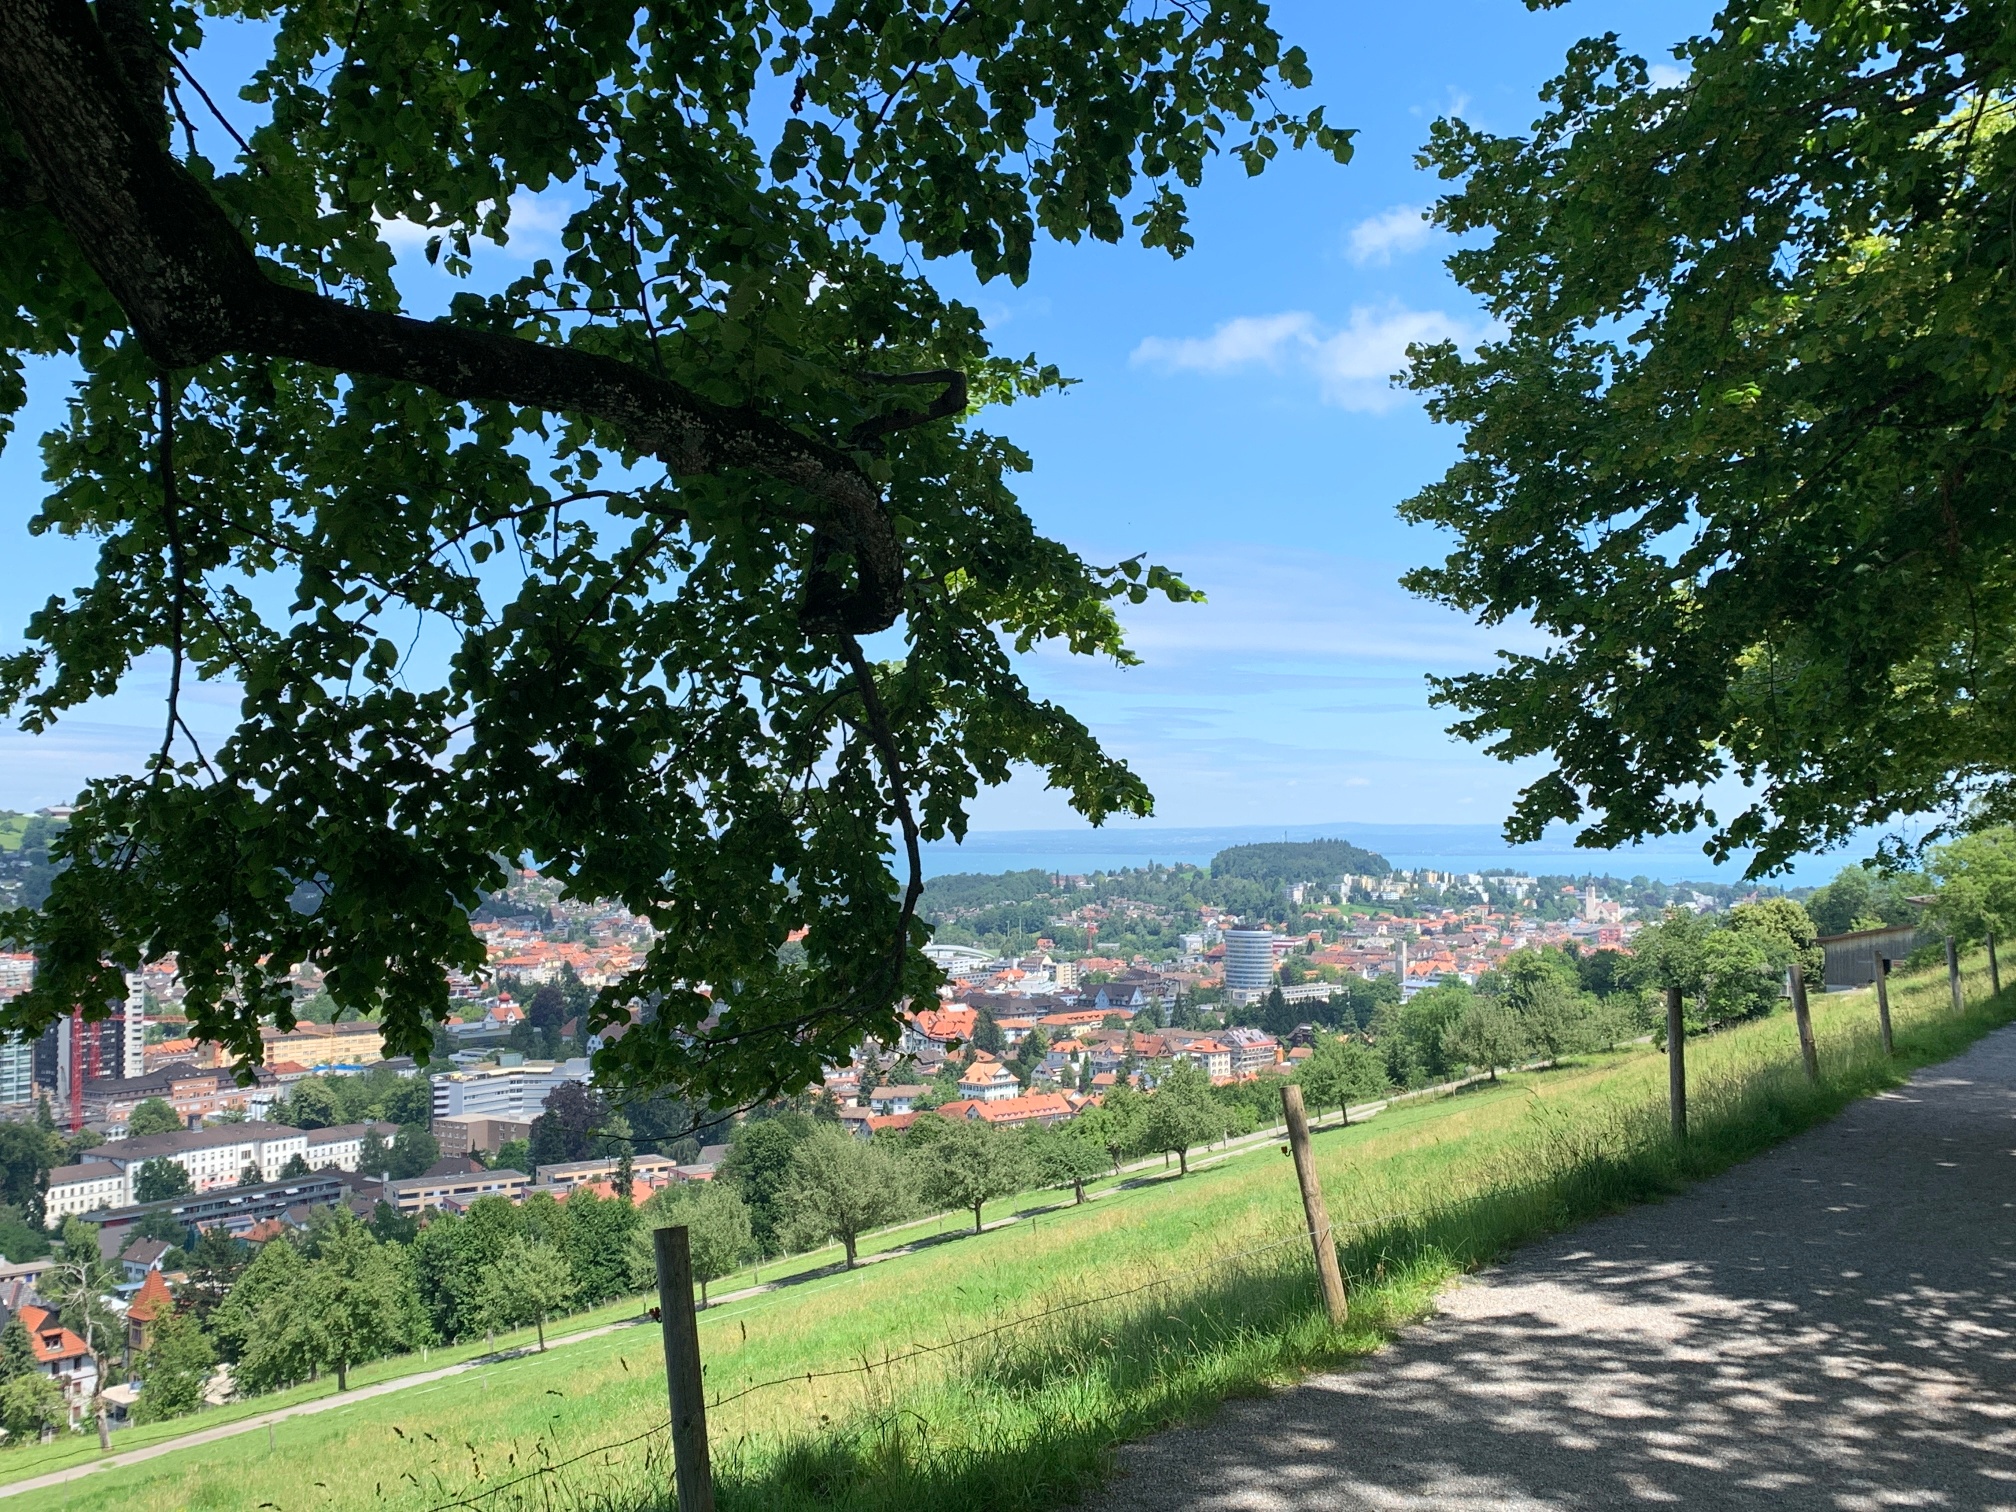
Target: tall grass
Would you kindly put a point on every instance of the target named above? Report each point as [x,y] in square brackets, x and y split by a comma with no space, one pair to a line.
[1216,1298]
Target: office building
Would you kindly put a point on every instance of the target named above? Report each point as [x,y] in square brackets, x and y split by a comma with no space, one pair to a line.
[17,1071]
[515,1091]
[1249,960]
[465,1133]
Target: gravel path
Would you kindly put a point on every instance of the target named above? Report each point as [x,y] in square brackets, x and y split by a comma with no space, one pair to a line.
[1828,1326]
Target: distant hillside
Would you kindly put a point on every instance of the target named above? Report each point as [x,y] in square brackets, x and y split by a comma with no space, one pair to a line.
[1285,863]
[965,890]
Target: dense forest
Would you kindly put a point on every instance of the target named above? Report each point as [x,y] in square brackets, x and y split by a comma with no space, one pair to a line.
[1284,863]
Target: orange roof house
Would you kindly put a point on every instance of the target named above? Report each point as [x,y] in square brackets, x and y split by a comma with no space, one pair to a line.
[1035,1107]
[53,1342]
[150,1304]
[945,1024]
[64,1357]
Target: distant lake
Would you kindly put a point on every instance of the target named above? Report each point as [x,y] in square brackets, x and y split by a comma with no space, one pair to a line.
[1441,847]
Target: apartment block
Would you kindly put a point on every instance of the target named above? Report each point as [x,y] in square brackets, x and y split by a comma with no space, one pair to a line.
[515,1091]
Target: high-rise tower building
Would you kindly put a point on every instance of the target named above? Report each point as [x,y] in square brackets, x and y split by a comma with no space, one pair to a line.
[1249,960]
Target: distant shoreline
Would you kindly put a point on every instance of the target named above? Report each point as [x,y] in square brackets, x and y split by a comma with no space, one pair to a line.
[1444,847]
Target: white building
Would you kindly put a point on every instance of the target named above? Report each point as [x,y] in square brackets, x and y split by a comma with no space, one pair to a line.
[989,1081]
[957,960]
[213,1157]
[895,1099]
[342,1146]
[78,1189]
[1252,1050]
[133,1042]
[1249,960]
[518,1091]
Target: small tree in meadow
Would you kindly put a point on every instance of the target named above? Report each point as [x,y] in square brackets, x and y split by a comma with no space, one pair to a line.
[719,1234]
[1342,1071]
[1488,1035]
[1116,1123]
[972,1164]
[1068,1155]
[528,1283]
[31,1404]
[352,1303]
[175,1369]
[1180,1114]
[840,1187]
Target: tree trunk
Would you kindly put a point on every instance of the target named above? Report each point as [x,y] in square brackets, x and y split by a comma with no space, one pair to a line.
[976,1216]
[1344,1114]
[847,1240]
[342,1375]
[1183,1162]
[104,1433]
[703,1291]
[539,1323]
[1078,1186]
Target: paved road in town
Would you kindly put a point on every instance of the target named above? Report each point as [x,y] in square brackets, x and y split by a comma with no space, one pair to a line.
[1829,1326]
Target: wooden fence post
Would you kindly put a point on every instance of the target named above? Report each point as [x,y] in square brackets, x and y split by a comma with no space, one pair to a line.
[1804,1016]
[1994,967]
[682,1370]
[1953,974]
[1676,1060]
[1328,1274]
[1883,1001]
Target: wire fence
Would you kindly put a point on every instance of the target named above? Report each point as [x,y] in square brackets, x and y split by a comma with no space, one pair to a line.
[888,1362]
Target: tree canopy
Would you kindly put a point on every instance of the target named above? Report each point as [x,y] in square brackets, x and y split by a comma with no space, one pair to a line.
[1977,884]
[154,1115]
[675,560]
[1739,445]
[1286,862]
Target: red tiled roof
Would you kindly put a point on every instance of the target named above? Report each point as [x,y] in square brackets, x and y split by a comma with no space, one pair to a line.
[51,1339]
[152,1300]
[1003,1110]
[946,1023]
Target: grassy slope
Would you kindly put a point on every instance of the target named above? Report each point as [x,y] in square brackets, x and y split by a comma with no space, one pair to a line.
[12,826]
[1025,1417]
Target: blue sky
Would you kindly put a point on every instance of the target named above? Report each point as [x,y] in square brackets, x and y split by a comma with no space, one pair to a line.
[1232,420]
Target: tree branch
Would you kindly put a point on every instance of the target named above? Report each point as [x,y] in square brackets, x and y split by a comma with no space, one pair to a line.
[951,402]
[883,736]
[194,291]
[176,570]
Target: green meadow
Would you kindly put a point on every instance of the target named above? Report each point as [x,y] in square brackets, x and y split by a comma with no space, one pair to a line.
[997,1371]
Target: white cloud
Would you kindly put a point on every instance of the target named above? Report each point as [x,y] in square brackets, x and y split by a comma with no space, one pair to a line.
[1354,365]
[535,226]
[1357,364]
[1377,239]
[1244,342]
[402,235]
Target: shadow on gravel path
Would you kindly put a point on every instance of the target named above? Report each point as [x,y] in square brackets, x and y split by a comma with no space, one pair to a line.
[1830,1325]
